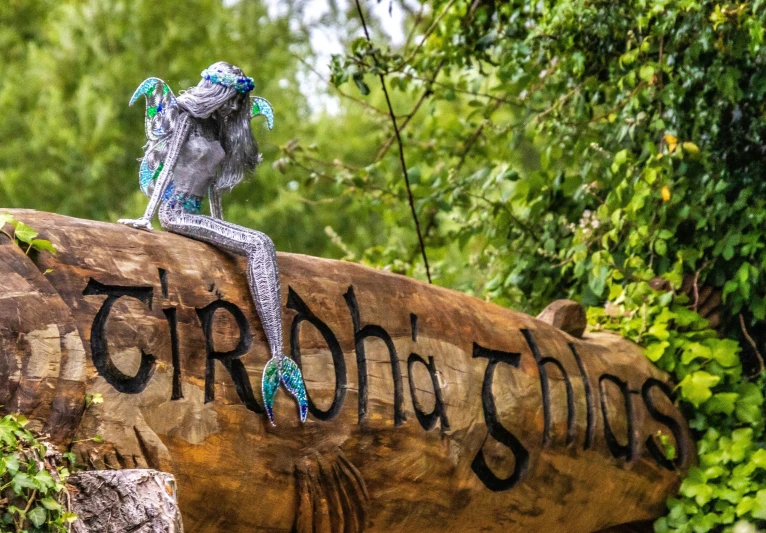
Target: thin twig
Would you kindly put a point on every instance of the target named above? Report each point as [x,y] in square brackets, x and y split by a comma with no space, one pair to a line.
[427,34]
[751,341]
[475,137]
[558,102]
[401,147]
[415,23]
[516,103]
[411,114]
[338,89]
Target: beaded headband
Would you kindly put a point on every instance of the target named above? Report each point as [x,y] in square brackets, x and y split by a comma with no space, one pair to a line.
[242,84]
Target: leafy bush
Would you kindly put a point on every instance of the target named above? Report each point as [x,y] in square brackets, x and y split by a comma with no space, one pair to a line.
[31,499]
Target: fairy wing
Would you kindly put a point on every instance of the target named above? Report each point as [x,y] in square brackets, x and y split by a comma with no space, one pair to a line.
[261,106]
[161,115]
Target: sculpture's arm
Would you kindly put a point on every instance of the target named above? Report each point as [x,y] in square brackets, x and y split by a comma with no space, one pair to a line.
[163,180]
[215,202]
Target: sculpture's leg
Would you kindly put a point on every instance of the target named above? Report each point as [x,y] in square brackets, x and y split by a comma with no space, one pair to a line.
[263,279]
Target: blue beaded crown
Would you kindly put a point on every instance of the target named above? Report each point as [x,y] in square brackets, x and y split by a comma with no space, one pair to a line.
[243,84]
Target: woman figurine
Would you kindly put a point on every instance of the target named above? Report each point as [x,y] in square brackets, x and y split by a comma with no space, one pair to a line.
[201,143]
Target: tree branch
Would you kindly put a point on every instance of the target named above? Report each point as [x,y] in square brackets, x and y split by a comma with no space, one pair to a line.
[401,147]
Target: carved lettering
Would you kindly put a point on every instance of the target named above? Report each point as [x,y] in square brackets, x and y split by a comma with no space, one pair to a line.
[545,386]
[495,428]
[428,420]
[628,450]
[231,359]
[668,421]
[295,303]
[374,331]
[99,347]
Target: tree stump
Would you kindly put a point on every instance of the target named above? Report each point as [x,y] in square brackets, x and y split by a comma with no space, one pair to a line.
[117,501]
[429,410]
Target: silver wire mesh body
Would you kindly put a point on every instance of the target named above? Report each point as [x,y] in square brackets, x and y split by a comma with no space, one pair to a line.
[262,270]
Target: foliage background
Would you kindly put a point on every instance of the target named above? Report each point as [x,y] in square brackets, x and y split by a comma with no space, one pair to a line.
[610,152]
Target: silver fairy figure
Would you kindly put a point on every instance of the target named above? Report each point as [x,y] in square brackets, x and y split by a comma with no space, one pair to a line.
[201,144]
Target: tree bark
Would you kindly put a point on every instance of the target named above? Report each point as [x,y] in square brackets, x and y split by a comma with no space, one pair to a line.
[430,410]
[117,501]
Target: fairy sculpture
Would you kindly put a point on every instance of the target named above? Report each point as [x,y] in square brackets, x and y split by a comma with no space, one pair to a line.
[201,143]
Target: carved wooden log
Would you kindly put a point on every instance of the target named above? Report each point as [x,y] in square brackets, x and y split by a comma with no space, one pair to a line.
[430,410]
[139,501]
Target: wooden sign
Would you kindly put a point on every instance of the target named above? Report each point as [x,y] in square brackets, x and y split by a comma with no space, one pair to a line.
[429,410]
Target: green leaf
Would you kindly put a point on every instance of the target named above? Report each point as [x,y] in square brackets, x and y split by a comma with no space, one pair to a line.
[695,486]
[758,459]
[24,233]
[695,350]
[5,218]
[646,72]
[361,85]
[22,481]
[51,504]
[722,402]
[37,516]
[748,409]
[43,245]
[695,387]
[725,351]
[655,350]
[759,510]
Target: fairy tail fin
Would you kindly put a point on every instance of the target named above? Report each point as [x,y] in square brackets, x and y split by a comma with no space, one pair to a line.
[293,380]
[269,386]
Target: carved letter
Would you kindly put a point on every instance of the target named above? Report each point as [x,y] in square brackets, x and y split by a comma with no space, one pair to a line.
[230,359]
[360,334]
[668,421]
[339,363]
[544,385]
[496,429]
[628,451]
[99,347]
[428,420]
[590,409]
[172,318]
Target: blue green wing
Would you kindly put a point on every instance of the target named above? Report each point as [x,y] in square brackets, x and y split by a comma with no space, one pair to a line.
[161,107]
[261,106]
[161,115]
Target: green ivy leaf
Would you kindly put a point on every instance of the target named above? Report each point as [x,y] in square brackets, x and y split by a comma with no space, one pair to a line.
[748,408]
[24,233]
[725,351]
[50,504]
[695,387]
[759,509]
[655,350]
[37,516]
[22,481]
[695,486]
[5,218]
[43,245]
[722,402]
[695,350]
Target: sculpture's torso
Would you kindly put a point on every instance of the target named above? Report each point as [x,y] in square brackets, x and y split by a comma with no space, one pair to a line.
[197,167]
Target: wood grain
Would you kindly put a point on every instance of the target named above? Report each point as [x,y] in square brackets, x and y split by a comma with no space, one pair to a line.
[430,410]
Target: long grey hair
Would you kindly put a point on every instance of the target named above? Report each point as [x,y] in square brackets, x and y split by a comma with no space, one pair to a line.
[231,111]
